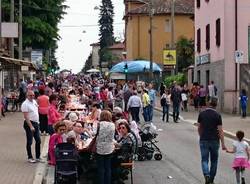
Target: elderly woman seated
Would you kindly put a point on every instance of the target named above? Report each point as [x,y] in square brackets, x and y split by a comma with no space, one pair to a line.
[125,149]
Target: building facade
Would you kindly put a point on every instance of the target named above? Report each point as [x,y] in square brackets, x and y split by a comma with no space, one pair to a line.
[217,36]
[137,26]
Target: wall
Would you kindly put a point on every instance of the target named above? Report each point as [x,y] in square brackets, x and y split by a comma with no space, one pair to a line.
[137,36]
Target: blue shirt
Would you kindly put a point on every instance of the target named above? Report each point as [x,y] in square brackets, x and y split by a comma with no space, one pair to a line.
[152,96]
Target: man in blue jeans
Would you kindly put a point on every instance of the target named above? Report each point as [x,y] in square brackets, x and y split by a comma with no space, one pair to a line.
[211,133]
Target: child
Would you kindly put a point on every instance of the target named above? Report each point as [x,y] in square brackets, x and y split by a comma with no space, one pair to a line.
[241,156]
[243,102]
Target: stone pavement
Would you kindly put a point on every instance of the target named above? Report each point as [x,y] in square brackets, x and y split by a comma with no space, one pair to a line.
[231,122]
[14,168]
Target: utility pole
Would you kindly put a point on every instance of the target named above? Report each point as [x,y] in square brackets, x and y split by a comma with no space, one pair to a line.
[0,24]
[150,5]
[20,26]
[172,31]
[12,9]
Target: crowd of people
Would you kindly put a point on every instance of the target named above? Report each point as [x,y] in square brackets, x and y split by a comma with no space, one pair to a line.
[79,109]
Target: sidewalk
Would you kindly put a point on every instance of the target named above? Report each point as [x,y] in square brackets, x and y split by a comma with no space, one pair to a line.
[14,168]
[231,122]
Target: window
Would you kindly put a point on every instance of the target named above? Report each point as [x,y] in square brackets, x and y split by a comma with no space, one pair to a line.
[199,40]
[199,76]
[207,1]
[249,44]
[208,37]
[218,33]
[207,77]
[167,26]
[198,3]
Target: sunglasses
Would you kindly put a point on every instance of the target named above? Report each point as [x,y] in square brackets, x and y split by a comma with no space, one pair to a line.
[122,127]
[31,95]
[62,130]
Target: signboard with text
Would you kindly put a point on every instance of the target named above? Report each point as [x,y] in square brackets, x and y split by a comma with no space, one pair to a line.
[169,57]
[37,57]
[204,59]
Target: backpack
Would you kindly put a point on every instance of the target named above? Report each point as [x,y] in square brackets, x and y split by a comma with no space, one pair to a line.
[163,101]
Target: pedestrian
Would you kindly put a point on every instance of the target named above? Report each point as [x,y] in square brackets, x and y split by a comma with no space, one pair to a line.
[241,157]
[145,103]
[31,126]
[105,147]
[53,115]
[152,96]
[162,89]
[212,90]
[43,105]
[243,103]
[134,106]
[211,133]
[119,97]
[202,97]
[184,97]
[165,103]
[176,99]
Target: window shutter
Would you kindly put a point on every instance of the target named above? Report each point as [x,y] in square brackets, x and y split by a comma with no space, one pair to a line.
[198,3]
[199,40]
[208,37]
[218,32]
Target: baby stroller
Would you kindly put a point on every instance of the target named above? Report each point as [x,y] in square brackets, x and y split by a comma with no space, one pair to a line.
[66,164]
[149,149]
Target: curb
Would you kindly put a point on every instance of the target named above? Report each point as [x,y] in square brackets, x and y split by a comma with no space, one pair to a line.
[41,167]
[193,122]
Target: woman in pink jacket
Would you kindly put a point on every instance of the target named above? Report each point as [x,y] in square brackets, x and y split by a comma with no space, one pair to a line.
[55,139]
[53,115]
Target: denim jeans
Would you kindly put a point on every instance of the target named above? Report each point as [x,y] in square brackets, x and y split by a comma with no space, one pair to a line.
[43,119]
[176,111]
[146,113]
[135,113]
[151,111]
[209,151]
[29,138]
[104,168]
[165,111]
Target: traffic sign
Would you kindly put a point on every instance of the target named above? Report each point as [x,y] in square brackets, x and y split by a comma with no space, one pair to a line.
[239,56]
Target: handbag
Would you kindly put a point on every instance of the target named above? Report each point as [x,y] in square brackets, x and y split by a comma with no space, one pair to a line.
[92,145]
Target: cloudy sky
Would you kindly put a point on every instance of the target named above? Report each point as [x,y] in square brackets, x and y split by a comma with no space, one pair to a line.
[79,29]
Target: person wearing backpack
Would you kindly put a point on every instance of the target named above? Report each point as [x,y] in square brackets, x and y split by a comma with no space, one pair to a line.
[165,103]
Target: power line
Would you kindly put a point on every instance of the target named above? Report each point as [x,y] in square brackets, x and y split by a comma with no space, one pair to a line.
[90,25]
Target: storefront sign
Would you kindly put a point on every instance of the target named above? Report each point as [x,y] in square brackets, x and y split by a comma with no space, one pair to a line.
[169,57]
[204,59]
[24,68]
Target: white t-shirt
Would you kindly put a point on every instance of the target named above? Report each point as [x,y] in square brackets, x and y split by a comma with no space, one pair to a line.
[240,149]
[32,109]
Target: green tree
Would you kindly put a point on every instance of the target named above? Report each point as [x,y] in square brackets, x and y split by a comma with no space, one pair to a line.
[185,53]
[88,64]
[106,28]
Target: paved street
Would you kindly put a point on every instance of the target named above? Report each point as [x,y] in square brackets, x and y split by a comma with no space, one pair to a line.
[14,168]
[179,144]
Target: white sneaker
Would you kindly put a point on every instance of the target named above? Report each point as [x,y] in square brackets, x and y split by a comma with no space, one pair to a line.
[31,160]
[39,160]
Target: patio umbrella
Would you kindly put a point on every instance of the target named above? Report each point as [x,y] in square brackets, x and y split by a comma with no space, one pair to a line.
[93,70]
[135,66]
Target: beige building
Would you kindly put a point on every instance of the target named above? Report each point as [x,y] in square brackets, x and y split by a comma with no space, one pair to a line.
[137,39]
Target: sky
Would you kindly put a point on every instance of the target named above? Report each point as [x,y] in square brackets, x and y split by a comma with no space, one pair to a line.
[79,28]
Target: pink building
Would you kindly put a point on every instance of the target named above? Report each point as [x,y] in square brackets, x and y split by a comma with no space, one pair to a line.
[221,28]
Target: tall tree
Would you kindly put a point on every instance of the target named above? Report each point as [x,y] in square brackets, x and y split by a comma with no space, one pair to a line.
[106,28]
[185,53]
[40,24]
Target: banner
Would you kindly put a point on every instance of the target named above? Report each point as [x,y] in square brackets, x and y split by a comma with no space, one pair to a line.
[37,57]
[169,57]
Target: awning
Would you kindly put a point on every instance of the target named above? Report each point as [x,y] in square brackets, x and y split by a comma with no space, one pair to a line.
[18,62]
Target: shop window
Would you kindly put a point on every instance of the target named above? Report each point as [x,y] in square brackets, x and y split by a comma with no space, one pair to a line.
[199,40]
[198,3]
[208,37]
[218,33]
